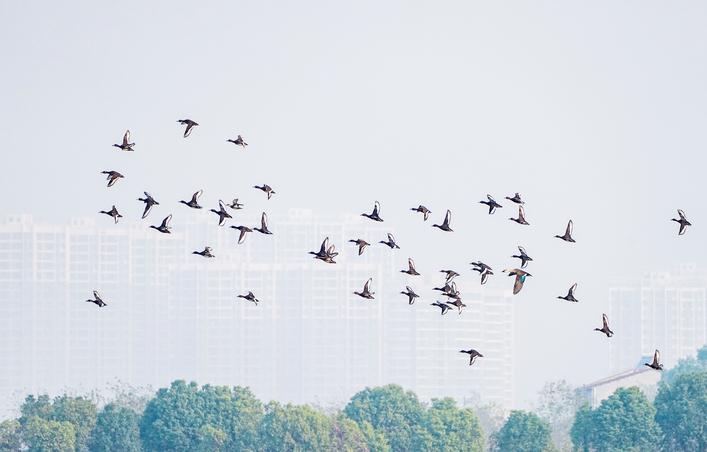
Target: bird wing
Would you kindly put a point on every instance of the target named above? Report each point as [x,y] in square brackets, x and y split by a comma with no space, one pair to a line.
[325,244]
[447,217]
[264,221]
[683,227]
[241,237]
[221,206]
[572,289]
[391,239]
[681,213]
[656,358]
[376,209]
[570,226]
[187,131]
[518,284]
[484,277]
[522,251]
[367,286]
[148,207]
[411,264]
[207,250]
[166,221]
[521,213]
[147,195]
[96,295]
[605,321]
[126,138]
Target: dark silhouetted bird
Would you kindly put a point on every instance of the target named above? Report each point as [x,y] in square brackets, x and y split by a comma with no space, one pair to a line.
[250,297]
[449,274]
[267,189]
[221,212]
[520,275]
[194,202]
[568,233]
[149,202]
[164,227]
[444,307]
[457,303]
[239,141]
[208,252]
[411,268]
[521,216]
[263,229]
[452,291]
[656,364]
[362,244]
[516,199]
[126,145]
[326,252]
[480,267]
[391,242]
[113,212]
[113,177]
[570,294]
[485,276]
[493,205]
[190,125]
[97,300]
[423,210]
[375,215]
[244,230]
[682,221]
[445,224]
[235,205]
[473,354]
[444,289]
[523,256]
[605,326]
[366,292]
[410,294]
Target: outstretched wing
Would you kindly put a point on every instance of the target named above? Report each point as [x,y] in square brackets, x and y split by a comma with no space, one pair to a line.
[411,264]
[96,295]
[521,213]
[570,226]
[241,237]
[126,138]
[264,221]
[522,251]
[573,288]
[447,217]
[195,196]
[682,214]
[367,286]
[165,222]
[605,321]
[376,208]
[518,284]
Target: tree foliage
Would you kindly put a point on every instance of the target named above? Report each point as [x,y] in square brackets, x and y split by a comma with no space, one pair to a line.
[523,432]
[682,412]
[294,428]
[41,435]
[117,428]
[80,412]
[453,429]
[10,439]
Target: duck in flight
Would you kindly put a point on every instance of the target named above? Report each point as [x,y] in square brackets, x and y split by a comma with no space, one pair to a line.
[523,256]
[605,326]
[149,202]
[239,141]
[473,354]
[444,289]
[244,230]
[445,224]
[682,221]
[493,205]
[221,212]
[164,227]
[263,229]
[113,177]
[97,300]
[656,364]
[194,202]
[326,252]
[366,292]
[451,291]
[423,210]
[362,244]
[570,294]
[410,294]
[208,252]
[484,271]
[516,198]
[235,205]
[113,212]
[444,307]
[520,275]
[568,233]
[250,297]
[190,125]
[375,215]
[267,189]
[521,217]
[391,242]
[411,268]
[457,303]
[322,249]
[449,274]
[126,145]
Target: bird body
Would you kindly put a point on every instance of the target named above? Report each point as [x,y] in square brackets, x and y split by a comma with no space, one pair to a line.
[457,303]
[375,215]
[194,201]
[190,125]
[97,300]
[521,217]
[493,205]
[444,307]
[655,364]
[362,244]
[267,189]
[366,292]
[208,252]
[263,229]
[516,198]
[570,294]
[450,274]
[250,297]
[126,145]
[390,242]
[410,294]
[113,212]
[164,227]
[423,210]
[520,275]
[243,231]
[605,326]
[239,141]
[221,212]
[411,268]
[682,221]
[445,224]
[112,177]
[235,205]
[149,202]
[473,354]
[567,237]
[523,256]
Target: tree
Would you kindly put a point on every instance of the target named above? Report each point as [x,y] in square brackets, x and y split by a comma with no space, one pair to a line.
[524,432]
[211,439]
[10,439]
[294,428]
[346,435]
[682,412]
[41,435]
[557,404]
[452,428]
[78,411]
[687,366]
[581,432]
[117,428]
[391,410]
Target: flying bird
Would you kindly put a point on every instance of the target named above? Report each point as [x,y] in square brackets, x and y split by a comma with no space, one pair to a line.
[444,307]
[244,230]
[267,189]
[239,141]
[263,229]
[391,242]
[449,274]
[411,268]
[113,177]
[250,297]
[485,276]
[521,216]
[97,300]
[221,212]
[568,233]
[149,202]
[194,202]
[190,125]
[570,294]
[451,291]
[516,199]
[326,252]
[480,267]
[362,244]
[458,304]
[523,256]
[410,294]
[445,224]
[113,212]
[375,215]
[520,275]
[605,326]
[473,354]
[206,253]
[164,227]
[423,210]
[682,221]
[366,292]
[444,289]
[493,205]
[126,145]
[656,364]
[235,205]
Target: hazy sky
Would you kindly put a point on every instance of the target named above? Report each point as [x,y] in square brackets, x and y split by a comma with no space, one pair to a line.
[594,111]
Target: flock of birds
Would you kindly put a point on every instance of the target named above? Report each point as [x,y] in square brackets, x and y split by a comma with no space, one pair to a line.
[327,251]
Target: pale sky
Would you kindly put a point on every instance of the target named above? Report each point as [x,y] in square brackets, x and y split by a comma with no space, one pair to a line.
[593,111]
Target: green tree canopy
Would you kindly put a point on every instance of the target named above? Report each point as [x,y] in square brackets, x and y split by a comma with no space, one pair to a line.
[10,439]
[41,435]
[294,428]
[682,412]
[80,412]
[453,429]
[687,366]
[117,428]
[524,432]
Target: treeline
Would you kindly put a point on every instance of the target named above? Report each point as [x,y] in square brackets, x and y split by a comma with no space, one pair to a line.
[187,417]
